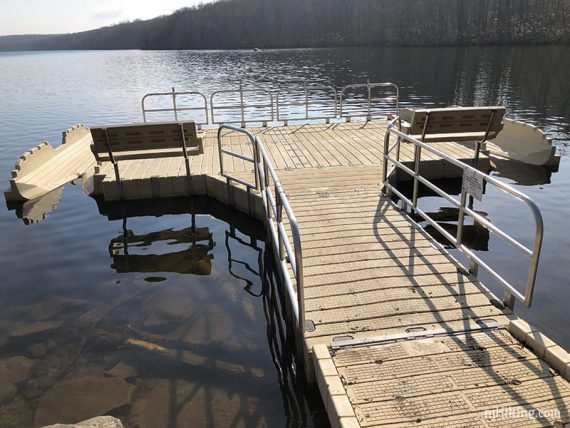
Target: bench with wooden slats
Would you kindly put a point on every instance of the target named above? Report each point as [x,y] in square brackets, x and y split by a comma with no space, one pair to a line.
[454,123]
[146,146]
[146,141]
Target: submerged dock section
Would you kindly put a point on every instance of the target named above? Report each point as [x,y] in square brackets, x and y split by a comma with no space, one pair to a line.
[393,329]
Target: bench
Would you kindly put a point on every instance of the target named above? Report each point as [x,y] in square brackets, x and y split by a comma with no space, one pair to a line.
[145,141]
[472,124]
[453,123]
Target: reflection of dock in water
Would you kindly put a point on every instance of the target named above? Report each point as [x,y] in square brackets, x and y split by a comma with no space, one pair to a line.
[475,236]
[214,363]
[36,210]
[193,260]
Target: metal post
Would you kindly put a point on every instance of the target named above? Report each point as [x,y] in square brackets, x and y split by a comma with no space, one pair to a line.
[369,117]
[473,267]
[241,104]
[417,158]
[461,219]
[143,110]
[306,101]
[279,218]
[277,109]
[220,154]
[174,103]
[115,165]
[256,163]
[509,300]
[385,160]
[480,143]
[186,160]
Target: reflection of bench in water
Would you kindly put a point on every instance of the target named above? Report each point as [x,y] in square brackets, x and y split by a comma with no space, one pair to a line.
[193,260]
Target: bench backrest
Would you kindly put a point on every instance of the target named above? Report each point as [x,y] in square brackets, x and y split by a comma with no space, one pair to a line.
[139,141]
[455,123]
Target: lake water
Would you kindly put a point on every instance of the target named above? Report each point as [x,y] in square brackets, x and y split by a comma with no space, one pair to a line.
[95,280]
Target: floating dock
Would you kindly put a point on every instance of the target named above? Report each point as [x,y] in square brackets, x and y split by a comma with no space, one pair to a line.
[396,331]
[313,147]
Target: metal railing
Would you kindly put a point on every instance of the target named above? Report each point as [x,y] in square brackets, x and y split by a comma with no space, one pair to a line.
[481,179]
[252,159]
[277,209]
[238,102]
[367,106]
[176,108]
[283,104]
[296,102]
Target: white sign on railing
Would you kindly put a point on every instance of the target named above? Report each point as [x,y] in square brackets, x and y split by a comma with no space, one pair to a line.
[473,183]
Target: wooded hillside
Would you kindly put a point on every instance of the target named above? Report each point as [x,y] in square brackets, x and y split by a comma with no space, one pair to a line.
[229,24]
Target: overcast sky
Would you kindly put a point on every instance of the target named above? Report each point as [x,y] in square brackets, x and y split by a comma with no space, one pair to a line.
[66,16]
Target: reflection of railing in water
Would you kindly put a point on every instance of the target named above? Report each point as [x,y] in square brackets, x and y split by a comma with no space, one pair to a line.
[282,347]
[291,102]
[278,214]
[280,337]
[231,234]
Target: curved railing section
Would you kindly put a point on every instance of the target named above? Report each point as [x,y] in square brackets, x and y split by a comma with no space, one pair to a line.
[193,103]
[360,100]
[472,178]
[242,106]
[280,219]
[306,102]
[284,104]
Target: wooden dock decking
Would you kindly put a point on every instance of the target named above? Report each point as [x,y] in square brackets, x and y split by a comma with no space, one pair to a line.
[399,334]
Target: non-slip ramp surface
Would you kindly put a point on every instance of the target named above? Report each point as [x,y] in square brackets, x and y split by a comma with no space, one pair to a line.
[480,379]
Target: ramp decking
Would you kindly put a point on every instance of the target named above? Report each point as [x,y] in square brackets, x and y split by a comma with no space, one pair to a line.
[399,334]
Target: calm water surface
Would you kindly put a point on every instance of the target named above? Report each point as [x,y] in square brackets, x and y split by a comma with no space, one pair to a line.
[103,287]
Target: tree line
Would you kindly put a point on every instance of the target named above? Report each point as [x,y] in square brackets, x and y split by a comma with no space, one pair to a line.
[237,24]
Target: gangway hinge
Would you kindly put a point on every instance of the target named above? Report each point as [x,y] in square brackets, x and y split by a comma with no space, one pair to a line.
[411,334]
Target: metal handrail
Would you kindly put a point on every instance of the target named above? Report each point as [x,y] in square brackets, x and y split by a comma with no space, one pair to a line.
[175,109]
[306,103]
[475,262]
[242,105]
[222,151]
[275,103]
[369,100]
[276,204]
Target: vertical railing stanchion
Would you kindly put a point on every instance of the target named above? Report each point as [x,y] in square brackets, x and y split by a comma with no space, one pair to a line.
[417,159]
[306,101]
[386,150]
[241,105]
[461,217]
[172,97]
[279,219]
[509,300]
[369,88]
[174,106]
